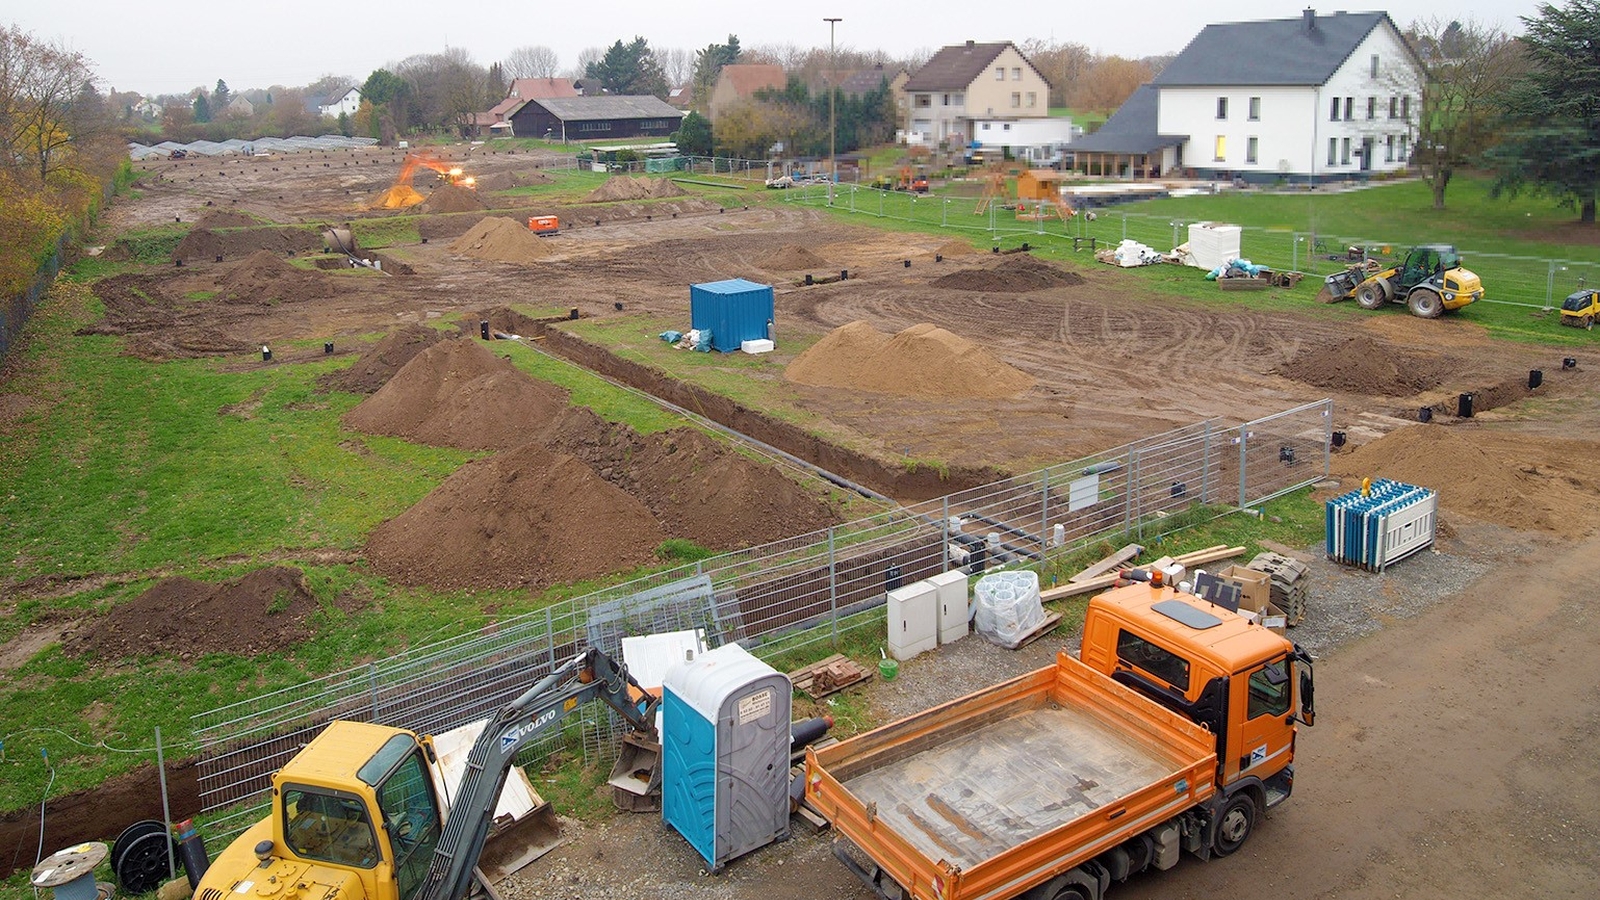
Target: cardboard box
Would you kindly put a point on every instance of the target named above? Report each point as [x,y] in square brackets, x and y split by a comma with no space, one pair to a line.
[1255,588]
[1270,617]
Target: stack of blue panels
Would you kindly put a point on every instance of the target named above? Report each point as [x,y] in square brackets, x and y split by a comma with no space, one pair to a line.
[1392,521]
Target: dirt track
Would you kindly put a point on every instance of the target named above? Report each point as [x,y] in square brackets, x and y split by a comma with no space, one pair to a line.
[1452,755]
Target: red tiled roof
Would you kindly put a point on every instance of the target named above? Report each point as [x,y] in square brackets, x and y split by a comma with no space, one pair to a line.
[747,79]
[541,88]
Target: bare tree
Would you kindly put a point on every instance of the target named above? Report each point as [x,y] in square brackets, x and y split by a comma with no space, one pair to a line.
[1108,81]
[534,61]
[677,64]
[1471,67]
[38,84]
[1064,65]
[587,57]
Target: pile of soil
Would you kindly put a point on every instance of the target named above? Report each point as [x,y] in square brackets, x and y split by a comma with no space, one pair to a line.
[956,248]
[373,369]
[225,218]
[450,198]
[505,181]
[441,227]
[505,320]
[791,257]
[527,518]
[264,277]
[458,394]
[1362,365]
[633,187]
[921,361]
[203,244]
[1016,274]
[499,239]
[399,196]
[1476,477]
[265,611]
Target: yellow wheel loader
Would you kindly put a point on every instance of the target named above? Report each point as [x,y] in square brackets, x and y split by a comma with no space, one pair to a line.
[1429,281]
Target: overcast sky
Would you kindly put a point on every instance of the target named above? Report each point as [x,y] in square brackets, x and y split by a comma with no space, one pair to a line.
[170,46]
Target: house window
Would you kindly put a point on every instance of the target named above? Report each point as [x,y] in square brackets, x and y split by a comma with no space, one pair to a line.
[1388,149]
[1405,107]
[1005,126]
[1372,107]
[1403,154]
[1333,151]
[1374,65]
[1255,109]
[1221,148]
[923,101]
[986,126]
[958,100]
[1033,99]
[1394,107]
[1349,108]
[1344,153]
[1333,110]
[1016,99]
[999,73]
[1016,73]
[1251,148]
[1222,107]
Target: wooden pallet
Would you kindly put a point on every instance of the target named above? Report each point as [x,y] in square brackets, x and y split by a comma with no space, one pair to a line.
[829,676]
[1051,620]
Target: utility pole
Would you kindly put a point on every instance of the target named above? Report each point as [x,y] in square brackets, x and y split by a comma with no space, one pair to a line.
[833,122]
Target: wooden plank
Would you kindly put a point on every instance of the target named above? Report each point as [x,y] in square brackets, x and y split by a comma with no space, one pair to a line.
[1051,620]
[1188,560]
[1113,561]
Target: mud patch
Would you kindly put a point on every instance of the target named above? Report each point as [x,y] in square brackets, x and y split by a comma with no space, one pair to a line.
[1362,365]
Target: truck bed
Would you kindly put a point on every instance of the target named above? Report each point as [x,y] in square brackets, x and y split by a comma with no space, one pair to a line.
[991,794]
[972,798]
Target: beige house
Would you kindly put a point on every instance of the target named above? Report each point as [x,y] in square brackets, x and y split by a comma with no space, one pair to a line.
[969,82]
[737,83]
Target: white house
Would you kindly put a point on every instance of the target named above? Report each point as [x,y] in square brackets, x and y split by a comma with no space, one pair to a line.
[1313,97]
[964,84]
[347,103]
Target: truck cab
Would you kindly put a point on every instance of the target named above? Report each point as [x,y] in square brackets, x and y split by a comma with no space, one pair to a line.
[354,814]
[1248,686]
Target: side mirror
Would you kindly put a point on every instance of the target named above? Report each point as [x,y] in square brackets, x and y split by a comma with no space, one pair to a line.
[1308,712]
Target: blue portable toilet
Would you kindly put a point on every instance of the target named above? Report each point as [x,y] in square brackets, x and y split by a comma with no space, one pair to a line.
[734,311]
[725,753]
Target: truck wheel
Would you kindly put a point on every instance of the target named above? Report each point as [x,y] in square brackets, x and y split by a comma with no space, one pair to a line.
[1425,304]
[1371,295]
[1238,819]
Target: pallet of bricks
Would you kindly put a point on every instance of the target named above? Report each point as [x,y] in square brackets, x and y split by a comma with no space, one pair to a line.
[1289,583]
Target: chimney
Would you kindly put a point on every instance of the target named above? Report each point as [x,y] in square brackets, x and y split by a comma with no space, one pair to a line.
[1310,16]
[970,44]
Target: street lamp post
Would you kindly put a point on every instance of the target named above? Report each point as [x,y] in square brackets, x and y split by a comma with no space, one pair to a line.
[833,65]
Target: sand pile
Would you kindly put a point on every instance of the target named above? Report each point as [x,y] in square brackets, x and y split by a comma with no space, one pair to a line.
[499,239]
[225,218]
[458,394]
[633,187]
[262,612]
[1475,477]
[373,369]
[1363,365]
[450,198]
[921,361]
[505,181]
[264,277]
[1015,274]
[399,196]
[791,257]
[955,248]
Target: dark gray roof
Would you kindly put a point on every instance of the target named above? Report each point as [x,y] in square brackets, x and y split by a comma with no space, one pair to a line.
[866,80]
[953,68]
[1273,52]
[1131,129]
[608,106]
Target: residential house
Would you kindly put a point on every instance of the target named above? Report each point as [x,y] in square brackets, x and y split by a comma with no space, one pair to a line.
[866,81]
[587,118]
[497,120]
[347,102]
[969,82]
[239,108]
[738,83]
[1128,145]
[1313,97]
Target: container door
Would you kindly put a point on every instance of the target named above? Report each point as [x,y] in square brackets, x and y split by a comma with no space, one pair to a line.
[753,768]
[1262,704]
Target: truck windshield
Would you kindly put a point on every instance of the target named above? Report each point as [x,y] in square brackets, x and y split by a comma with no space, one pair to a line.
[328,825]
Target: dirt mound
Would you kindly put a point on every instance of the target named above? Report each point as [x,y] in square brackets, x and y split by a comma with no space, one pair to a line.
[921,361]
[203,244]
[400,196]
[955,248]
[373,369]
[634,187]
[1362,365]
[499,239]
[1015,274]
[458,394]
[527,518]
[436,228]
[505,181]
[792,256]
[266,611]
[450,198]
[226,218]
[1476,476]
[264,277]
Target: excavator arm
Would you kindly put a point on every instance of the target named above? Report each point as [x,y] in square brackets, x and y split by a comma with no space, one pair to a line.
[591,675]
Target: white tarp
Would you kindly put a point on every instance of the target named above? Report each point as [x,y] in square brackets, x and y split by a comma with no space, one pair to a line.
[1212,244]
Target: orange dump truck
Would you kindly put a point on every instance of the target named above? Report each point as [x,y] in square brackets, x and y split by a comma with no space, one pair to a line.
[1174,732]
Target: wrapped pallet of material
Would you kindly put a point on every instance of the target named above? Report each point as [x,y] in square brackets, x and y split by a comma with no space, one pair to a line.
[1007,607]
[1212,244]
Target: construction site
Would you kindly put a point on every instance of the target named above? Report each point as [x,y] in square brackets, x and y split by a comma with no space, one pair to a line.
[915,403]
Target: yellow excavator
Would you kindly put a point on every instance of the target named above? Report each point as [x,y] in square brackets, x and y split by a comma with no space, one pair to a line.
[356,815]
[1429,280]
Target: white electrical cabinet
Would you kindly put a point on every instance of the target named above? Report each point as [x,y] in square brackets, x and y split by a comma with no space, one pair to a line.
[954,615]
[913,620]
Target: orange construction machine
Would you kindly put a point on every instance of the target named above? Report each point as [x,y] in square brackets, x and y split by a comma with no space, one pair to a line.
[401,194]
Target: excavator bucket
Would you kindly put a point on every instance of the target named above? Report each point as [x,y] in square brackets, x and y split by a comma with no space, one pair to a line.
[516,843]
[636,778]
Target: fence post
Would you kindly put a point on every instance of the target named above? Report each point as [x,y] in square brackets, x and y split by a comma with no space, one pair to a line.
[550,636]
[1550,286]
[1128,482]
[1205,464]
[1124,226]
[1294,240]
[1327,437]
[944,530]
[944,213]
[880,204]
[1244,442]
[833,591]
[1044,513]
[166,805]
[372,687]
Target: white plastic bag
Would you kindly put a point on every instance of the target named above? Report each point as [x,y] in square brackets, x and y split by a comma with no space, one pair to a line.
[1007,607]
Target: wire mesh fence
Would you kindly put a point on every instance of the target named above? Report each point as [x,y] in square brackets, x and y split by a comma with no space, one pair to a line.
[775,599]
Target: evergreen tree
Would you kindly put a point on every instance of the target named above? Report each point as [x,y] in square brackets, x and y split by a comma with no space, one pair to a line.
[693,136]
[629,69]
[202,107]
[221,96]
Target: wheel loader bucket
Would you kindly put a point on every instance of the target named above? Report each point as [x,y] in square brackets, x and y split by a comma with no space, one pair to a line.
[636,778]
[1341,285]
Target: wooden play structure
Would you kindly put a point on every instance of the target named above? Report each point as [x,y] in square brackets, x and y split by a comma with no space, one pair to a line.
[1039,196]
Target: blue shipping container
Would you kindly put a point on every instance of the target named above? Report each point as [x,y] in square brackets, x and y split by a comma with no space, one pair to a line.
[734,311]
